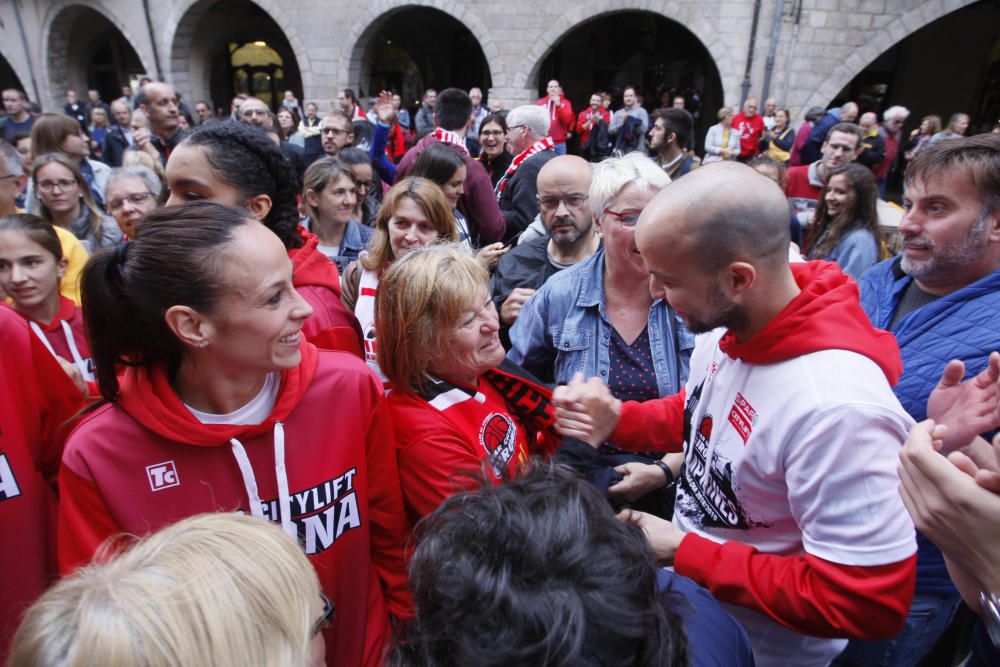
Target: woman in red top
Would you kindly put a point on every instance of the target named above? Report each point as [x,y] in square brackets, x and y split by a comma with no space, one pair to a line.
[31,266]
[225,407]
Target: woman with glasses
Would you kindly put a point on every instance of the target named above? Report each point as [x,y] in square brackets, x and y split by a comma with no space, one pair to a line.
[131,193]
[599,317]
[495,155]
[224,406]
[328,197]
[65,200]
[368,186]
[57,133]
[213,589]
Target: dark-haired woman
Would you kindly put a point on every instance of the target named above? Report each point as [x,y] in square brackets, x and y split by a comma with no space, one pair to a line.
[238,165]
[225,407]
[368,185]
[493,138]
[846,222]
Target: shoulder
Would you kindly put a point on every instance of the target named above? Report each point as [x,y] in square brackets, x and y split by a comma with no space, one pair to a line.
[94,434]
[569,282]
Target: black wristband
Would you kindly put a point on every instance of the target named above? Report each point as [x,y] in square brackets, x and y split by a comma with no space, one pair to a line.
[666,471]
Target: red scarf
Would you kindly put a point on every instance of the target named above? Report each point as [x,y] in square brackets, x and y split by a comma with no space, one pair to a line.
[448,137]
[537,147]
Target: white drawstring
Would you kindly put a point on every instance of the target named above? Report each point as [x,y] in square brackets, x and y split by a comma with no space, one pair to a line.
[78,360]
[250,481]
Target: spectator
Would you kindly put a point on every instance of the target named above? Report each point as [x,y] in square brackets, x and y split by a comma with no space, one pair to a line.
[328,197]
[336,131]
[288,127]
[97,131]
[290,102]
[845,229]
[532,147]
[722,142]
[479,112]
[494,157]
[958,124]
[203,111]
[872,142]
[770,113]
[671,132]
[349,104]
[560,115]
[805,182]
[777,139]
[19,121]
[367,187]
[66,201]
[811,149]
[588,124]
[929,126]
[159,104]
[892,133]
[802,136]
[778,173]
[56,133]
[132,193]
[750,126]
[424,122]
[120,136]
[629,124]
[94,101]
[402,113]
[74,108]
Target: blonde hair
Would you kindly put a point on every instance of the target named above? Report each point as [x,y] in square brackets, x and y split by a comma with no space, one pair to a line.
[429,197]
[213,589]
[420,297]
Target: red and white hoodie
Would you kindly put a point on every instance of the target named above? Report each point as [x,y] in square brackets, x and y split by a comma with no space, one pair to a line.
[322,465]
[789,489]
[331,326]
[37,400]
[66,337]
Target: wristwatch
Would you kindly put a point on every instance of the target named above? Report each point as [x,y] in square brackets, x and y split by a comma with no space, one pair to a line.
[666,471]
[989,612]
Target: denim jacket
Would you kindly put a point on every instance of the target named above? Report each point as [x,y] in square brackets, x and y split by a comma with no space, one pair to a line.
[564,329]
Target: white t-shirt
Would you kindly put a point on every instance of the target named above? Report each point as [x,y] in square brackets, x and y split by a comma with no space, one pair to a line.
[254,412]
[802,458]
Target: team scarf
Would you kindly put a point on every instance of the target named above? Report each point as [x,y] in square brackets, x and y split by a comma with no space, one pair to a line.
[448,137]
[537,147]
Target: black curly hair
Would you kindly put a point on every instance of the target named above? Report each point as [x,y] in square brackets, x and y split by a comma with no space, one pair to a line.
[244,157]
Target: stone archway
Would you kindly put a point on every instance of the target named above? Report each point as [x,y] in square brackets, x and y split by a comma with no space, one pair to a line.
[9,77]
[208,33]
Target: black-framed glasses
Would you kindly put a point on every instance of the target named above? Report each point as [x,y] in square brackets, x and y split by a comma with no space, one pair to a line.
[573,202]
[335,131]
[325,618]
[63,184]
[136,198]
[626,219]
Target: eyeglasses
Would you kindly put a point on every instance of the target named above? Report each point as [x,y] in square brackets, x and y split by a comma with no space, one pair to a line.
[573,202]
[324,620]
[335,131]
[136,198]
[511,128]
[626,219]
[63,184]
[492,133]
[366,186]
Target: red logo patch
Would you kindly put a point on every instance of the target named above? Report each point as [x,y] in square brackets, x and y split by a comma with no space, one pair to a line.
[742,417]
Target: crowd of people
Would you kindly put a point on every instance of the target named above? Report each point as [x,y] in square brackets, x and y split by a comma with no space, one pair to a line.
[479,386]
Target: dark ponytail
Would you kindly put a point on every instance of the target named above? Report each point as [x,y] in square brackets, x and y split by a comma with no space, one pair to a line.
[174,260]
[244,157]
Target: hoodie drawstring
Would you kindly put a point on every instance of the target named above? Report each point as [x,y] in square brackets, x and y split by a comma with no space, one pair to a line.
[73,350]
[250,481]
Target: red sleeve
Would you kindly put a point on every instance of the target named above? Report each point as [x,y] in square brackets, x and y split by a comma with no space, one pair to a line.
[581,119]
[810,595]
[85,521]
[565,113]
[651,425]
[390,528]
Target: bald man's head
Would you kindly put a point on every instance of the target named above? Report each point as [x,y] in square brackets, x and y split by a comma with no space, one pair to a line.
[563,187]
[562,168]
[728,213]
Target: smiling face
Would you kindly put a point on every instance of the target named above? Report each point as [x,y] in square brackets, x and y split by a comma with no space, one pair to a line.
[620,250]
[839,196]
[840,149]
[257,326]
[454,188]
[191,178]
[409,228]
[474,343]
[334,203]
[492,138]
[29,274]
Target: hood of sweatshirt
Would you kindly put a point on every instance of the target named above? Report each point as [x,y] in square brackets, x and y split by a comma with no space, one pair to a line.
[826,315]
[147,396]
[311,267]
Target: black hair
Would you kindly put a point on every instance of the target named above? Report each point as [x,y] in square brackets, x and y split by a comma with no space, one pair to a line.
[828,231]
[438,162]
[349,94]
[452,109]
[38,230]
[352,155]
[175,259]
[678,121]
[537,571]
[244,157]
[495,118]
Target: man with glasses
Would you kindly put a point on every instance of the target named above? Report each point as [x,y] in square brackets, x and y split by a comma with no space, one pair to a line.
[563,184]
[131,193]
[532,147]
[336,131]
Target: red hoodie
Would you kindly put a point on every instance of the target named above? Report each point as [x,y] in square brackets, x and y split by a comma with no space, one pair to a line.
[808,594]
[145,461]
[36,401]
[66,337]
[331,326]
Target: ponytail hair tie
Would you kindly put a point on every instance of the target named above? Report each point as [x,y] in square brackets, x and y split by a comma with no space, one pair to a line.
[121,256]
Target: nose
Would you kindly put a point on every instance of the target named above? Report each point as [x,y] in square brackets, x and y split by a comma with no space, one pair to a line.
[301,310]
[17,273]
[492,322]
[910,223]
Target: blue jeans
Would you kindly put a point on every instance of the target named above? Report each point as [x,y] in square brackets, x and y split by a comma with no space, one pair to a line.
[560,148]
[929,617]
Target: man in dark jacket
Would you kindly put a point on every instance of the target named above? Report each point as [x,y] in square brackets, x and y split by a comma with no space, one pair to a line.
[119,137]
[528,136]
[563,193]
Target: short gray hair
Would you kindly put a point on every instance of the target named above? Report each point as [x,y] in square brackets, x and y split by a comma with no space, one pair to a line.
[12,161]
[610,177]
[534,117]
[147,175]
[896,113]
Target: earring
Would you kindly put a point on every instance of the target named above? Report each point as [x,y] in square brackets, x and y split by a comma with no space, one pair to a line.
[203,343]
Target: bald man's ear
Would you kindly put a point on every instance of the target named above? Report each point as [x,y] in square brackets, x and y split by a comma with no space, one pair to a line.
[737,279]
[258,206]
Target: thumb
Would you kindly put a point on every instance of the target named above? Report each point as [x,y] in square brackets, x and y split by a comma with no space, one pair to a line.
[952,374]
[576,379]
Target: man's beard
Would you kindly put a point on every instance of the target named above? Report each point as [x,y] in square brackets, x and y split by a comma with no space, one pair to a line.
[951,259]
[727,314]
[567,240]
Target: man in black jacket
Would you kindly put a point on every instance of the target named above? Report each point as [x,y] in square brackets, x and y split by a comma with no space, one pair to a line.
[119,137]
[528,135]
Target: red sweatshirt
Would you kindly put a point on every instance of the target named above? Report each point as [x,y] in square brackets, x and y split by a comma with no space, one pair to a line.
[145,461]
[331,326]
[750,129]
[789,490]
[36,401]
[560,118]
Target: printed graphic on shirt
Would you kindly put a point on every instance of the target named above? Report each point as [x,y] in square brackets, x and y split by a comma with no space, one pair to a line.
[321,514]
[498,437]
[742,416]
[371,355]
[8,483]
[162,475]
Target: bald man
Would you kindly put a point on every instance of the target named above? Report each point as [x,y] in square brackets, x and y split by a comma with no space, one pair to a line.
[787,504]
[872,142]
[563,186]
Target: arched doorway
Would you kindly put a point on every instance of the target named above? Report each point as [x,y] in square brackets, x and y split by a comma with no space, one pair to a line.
[414,48]
[9,78]
[915,73]
[659,57]
[225,47]
[86,50]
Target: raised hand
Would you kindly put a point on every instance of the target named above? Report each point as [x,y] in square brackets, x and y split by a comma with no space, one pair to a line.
[966,408]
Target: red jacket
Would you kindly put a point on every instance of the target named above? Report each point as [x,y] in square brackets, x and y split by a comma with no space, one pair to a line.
[584,132]
[36,401]
[750,130]
[145,461]
[331,326]
[449,431]
[56,335]
[560,118]
[479,204]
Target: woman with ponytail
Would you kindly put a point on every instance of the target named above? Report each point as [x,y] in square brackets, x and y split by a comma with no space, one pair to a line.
[239,165]
[224,406]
